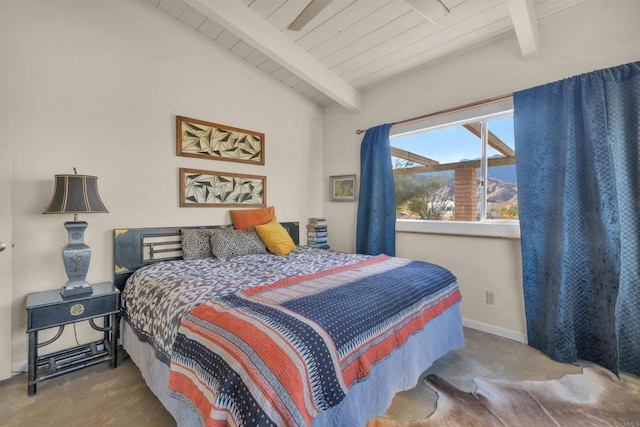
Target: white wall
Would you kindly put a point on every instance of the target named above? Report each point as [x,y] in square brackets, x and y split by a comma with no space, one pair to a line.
[593,35]
[97,85]
[5,215]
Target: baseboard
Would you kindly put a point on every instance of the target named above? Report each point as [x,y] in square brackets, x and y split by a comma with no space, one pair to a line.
[495,330]
[19,367]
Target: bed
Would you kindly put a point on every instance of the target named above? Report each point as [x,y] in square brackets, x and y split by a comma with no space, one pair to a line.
[315,337]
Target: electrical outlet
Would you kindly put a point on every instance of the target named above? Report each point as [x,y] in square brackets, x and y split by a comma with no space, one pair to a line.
[491,298]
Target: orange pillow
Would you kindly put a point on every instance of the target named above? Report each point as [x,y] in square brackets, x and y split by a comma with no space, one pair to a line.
[248,218]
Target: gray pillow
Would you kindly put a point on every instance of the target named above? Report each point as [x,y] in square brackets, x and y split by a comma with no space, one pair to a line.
[195,243]
[230,243]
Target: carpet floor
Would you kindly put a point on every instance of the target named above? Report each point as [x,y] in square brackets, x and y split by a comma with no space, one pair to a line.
[98,396]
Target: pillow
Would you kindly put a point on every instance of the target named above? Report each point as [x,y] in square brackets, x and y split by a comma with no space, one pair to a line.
[231,243]
[248,218]
[275,238]
[195,243]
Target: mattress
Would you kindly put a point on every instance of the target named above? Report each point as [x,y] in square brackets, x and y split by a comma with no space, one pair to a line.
[163,299]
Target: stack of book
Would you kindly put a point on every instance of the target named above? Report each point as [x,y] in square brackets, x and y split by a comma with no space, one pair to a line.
[317,233]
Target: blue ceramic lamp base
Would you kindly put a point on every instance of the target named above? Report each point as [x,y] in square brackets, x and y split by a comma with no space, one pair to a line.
[76,256]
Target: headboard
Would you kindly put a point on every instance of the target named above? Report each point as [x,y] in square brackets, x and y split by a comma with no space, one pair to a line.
[136,247]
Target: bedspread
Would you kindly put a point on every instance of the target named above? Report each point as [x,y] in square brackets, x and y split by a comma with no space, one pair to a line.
[156,297]
[279,353]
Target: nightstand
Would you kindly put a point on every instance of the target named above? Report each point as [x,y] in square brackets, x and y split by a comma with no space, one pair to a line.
[49,310]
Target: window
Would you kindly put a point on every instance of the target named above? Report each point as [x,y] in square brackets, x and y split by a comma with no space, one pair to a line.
[457,166]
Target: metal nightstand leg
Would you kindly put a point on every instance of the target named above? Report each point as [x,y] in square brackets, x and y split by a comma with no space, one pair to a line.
[114,323]
[32,365]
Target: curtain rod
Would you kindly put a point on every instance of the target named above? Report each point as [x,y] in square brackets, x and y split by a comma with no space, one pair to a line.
[440,113]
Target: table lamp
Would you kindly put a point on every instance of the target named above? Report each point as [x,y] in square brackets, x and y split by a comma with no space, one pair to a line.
[74,194]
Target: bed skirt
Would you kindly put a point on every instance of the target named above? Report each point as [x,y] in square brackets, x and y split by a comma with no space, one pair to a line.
[364,401]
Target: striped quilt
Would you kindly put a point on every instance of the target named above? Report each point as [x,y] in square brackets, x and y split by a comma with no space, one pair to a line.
[277,354]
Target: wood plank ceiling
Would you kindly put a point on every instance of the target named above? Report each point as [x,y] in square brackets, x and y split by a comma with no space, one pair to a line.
[353,44]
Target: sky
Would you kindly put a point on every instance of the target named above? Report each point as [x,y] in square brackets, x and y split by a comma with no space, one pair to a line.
[455,143]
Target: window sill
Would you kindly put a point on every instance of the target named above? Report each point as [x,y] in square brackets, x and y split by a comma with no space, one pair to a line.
[505,229]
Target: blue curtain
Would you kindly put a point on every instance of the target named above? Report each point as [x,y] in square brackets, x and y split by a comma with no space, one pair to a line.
[578,166]
[376,227]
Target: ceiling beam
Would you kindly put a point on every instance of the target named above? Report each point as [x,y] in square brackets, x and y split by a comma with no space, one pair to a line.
[523,16]
[244,23]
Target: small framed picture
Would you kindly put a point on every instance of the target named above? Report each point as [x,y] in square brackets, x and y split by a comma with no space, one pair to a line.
[343,188]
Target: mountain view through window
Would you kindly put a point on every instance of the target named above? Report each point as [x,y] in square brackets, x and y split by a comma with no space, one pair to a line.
[440,172]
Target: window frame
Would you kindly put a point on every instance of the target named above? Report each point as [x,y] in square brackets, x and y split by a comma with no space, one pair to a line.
[481,112]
